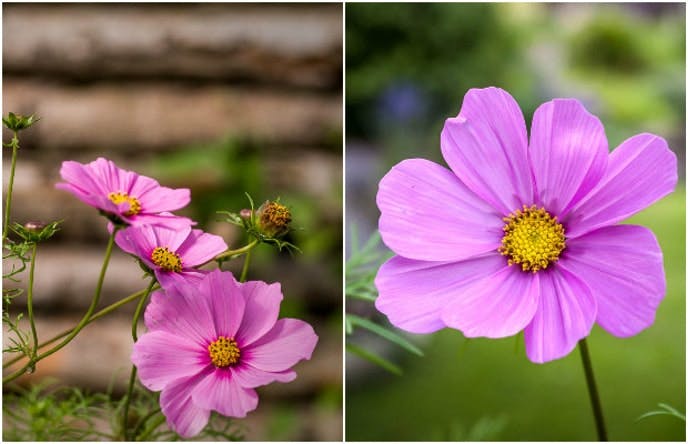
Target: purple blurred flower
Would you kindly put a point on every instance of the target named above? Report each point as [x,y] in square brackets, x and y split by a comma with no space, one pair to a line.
[522,235]
[124,195]
[210,344]
[171,254]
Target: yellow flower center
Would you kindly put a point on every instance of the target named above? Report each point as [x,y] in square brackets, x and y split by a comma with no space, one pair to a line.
[134,204]
[532,238]
[274,218]
[166,259]
[224,352]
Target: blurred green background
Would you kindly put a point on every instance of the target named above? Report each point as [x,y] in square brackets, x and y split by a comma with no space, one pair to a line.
[407,69]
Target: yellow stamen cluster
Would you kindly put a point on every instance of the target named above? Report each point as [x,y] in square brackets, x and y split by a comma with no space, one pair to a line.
[166,259]
[532,238]
[274,218]
[224,352]
[134,204]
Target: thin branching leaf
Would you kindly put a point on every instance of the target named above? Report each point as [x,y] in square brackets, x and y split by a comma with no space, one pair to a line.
[383,332]
[375,359]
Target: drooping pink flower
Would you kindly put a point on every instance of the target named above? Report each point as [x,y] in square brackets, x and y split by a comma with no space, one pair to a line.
[209,345]
[524,236]
[124,195]
[171,254]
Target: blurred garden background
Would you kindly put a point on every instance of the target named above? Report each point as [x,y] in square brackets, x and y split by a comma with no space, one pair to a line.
[407,69]
[219,98]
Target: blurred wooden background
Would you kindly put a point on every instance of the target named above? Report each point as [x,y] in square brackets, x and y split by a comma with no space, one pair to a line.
[141,83]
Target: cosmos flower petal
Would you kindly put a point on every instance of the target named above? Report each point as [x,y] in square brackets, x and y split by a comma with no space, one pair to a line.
[496,306]
[164,199]
[183,415]
[568,154]
[641,171]
[165,220]
[565,315]
[162,357]
[412,294]
[261,311]
[251,377]
[227,311]
[486,147]
[418,201]
[180,311]
[200,247]
[79,178]
[219,391]
[288,342]
[169,278]
[623,267]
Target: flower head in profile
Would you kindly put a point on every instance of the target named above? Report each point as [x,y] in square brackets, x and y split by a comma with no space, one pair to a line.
[124,196]
[523,234]
[171,254]
[210,344]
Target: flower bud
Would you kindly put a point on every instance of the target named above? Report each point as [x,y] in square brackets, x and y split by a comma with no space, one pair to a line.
[273,219]
[245,213]
[34,226]
[17,122]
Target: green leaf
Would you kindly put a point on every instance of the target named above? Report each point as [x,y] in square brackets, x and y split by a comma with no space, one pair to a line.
[665,409]
[383,332]
[375,359]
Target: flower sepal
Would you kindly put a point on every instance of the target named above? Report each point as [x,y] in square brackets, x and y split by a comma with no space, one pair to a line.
[18,122]
[34,232]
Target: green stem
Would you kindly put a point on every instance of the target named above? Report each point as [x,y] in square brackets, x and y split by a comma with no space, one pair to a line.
[110,308]
[132,376]
[592,390]
[229,253]
[84,320]
[8,204]
[244,270]
[29,305]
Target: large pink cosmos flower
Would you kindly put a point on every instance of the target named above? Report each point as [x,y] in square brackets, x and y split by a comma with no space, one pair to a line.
[171,254]
[209,345]
[129,197]
[522,235]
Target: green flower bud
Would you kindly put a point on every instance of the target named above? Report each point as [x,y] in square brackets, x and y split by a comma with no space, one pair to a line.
[17,122]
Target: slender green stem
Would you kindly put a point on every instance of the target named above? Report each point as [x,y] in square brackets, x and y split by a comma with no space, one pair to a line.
[592,390]
[132,376]
[110,308]
[29,305]
[84,320]
[139,310]
[8,204]
[244,270]
[230,253]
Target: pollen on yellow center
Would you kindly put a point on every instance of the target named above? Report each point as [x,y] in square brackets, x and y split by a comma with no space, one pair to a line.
[532,238]
[224,352]
[166,259]
[134,204]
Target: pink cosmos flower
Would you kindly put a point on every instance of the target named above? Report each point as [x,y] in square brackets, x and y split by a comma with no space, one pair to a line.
[171,254]
[209,345]
[520,235]
[125,195]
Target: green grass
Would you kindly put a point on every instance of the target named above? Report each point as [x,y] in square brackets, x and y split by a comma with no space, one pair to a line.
[487,389]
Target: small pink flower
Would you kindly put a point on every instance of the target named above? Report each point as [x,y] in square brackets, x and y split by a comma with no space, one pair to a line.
[171,254]
[125,195]
[210,344]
